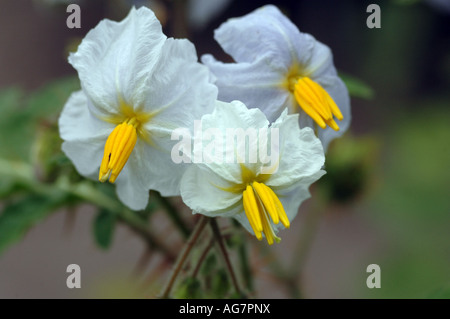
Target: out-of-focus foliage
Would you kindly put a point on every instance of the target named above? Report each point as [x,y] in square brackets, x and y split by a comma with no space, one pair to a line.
[411,205]
[350,167]
[36,178]
[25,122]
[357,87]
[18,217]
[441,293]
[104,225]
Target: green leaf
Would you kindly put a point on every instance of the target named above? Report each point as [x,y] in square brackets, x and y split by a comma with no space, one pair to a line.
[350,167]
[104,225]
[21,115]
[189,288]
[15,129]
[17,218]
[209,264]
[7,185]
[50,99]
[220,283]
[9,99]
[409,207]
[357,87]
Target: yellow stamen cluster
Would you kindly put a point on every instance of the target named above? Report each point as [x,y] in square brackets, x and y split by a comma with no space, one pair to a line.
[260,202]
[317,103]
[118,148]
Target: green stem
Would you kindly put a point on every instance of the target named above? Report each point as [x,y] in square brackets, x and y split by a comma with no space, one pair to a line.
[183,256]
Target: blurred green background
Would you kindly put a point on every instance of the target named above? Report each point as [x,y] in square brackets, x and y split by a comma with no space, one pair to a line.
[388,176]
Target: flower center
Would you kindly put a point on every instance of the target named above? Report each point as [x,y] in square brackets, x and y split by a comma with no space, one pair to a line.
[260,203]
[312,98]
[120,143]
[118,148]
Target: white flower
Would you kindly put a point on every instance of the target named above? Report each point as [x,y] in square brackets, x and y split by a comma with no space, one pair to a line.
[137,86]
[276,66]
[260,200]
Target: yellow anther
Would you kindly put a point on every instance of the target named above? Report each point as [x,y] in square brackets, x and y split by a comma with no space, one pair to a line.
[252,210]
[118,148]
[280,209]
[261,205]
[334,108]
[317,103]
[314,96]
[267,201]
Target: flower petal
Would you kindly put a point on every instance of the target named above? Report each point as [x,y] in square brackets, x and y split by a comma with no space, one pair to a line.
[268,48]
[230,121]
[292,197]
[319,61]
[301,152]
[256,84]
[261,34]
[115,59]
[203,191]
[84,135]
[131,185]
[180,89]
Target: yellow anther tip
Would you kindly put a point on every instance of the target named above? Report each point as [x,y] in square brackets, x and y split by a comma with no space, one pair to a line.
[331,123]
[315,101]
[112,179]
[104,176]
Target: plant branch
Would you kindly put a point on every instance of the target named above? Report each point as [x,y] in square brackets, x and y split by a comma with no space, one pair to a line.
[22,172]
[202,257]
[223,250]
[183,256]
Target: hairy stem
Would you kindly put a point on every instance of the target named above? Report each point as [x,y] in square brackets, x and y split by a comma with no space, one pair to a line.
[183,256]
[202,258]
[223,250]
